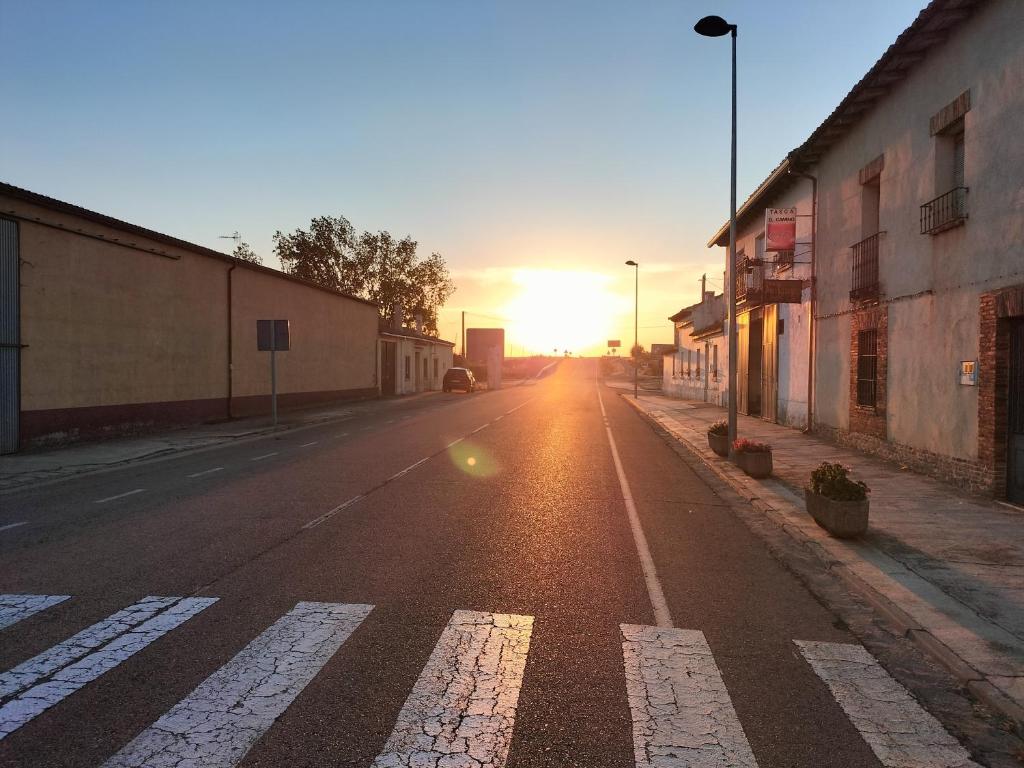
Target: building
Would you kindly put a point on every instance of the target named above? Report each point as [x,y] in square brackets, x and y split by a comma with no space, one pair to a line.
[411,361]
[107,327]
[696,366]
[910,199]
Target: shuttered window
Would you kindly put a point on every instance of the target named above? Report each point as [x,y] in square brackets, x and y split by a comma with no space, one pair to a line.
[867,368]
[958,160]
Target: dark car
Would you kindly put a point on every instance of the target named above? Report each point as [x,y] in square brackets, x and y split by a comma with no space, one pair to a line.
[458,378]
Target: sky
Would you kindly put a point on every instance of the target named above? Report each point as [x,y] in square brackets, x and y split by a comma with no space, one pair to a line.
[536,145]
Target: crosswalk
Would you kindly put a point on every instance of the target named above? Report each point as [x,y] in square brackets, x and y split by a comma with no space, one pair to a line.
[461,711]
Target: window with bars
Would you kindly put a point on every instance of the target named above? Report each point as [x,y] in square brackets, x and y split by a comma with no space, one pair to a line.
[698,363]
[867,367]
[689,363]
[714,361]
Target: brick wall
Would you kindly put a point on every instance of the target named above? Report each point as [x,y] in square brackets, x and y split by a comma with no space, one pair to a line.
[865,419]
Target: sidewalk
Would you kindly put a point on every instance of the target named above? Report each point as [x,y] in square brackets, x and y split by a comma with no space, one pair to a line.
[46,465]
[947,568]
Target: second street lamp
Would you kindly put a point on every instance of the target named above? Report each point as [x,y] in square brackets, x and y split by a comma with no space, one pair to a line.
[636,320]
[716,26]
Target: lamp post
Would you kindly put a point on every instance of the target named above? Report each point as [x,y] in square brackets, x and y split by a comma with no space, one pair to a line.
[716,26]
[636,320]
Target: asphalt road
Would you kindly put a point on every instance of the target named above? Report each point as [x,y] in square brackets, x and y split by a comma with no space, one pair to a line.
[439,515]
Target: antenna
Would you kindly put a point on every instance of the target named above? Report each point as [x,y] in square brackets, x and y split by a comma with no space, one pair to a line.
[233,236]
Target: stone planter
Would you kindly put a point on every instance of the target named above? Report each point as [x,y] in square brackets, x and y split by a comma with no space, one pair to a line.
[757,464]
[719,444]
[843,519]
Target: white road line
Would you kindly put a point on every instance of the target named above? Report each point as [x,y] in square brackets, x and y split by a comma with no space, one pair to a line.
[306,445]
[390,421]
[482,426]
[898,730]
[14,608]
[119,496]
[497,418]
[519,406]
[218,723]
[454,443]
[462,708]
[681,710]
[661,613]
[264,456]
[344,434]
[12,525]
[17,711]
[207,472]
[328,515]
[28,673]
[407,470]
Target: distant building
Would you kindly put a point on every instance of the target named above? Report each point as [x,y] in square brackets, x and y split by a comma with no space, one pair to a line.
[412,361]
[910,201]
[481,342]
[695,367]
[107,327]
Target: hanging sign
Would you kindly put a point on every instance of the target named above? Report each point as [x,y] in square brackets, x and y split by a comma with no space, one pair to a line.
[779,229]
[783,291]
[614,343]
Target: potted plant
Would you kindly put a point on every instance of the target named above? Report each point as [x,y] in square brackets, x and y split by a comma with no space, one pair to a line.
[753,457]
[718,438]
[837,503]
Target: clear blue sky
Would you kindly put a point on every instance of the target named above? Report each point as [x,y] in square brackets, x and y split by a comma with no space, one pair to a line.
[504,135]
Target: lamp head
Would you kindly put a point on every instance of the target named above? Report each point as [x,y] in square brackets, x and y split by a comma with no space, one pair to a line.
[632,263]
[713,26]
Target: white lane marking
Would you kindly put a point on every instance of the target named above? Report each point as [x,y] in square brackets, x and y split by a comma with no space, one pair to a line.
[367,428]
[306,445]
[264,456]
[12,525]
[207,472]
[497,418]
[482,426]
[681,710]
[119,496]
[14,608]
[218,723]
[331,513]
[898,730]
[390,421]
[82,644]
[407,470]
[462,708]
[454,442]
[519,406]
[19,710]
[661,613]
[344,434]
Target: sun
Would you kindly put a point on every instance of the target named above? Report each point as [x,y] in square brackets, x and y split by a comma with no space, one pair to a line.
[561,310]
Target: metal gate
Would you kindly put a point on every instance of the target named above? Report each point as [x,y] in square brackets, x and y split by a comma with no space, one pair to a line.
[1015,427]
[770,364]
[10,338]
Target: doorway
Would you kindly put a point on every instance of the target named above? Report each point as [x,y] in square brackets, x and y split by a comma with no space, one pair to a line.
[10,337]
[1015,413]
[388,367]
[755,357]
[770,364]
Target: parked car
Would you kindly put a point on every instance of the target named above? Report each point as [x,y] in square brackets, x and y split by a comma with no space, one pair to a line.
[458,378]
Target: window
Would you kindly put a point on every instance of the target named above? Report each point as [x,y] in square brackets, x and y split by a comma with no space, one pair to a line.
[949,208]
[424,368]
[714,361]
[435,367]
[408,367]
[674,356]
[698,363]
[689,361]
[867,368]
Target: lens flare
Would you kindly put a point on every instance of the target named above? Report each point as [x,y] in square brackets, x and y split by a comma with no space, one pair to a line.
[473,459]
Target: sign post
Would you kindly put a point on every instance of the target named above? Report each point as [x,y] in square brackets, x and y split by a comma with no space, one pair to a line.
[273,336]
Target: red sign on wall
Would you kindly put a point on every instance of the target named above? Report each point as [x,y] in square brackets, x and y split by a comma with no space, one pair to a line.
[779,229]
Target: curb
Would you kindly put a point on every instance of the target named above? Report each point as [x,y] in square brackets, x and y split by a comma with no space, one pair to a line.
[904,626]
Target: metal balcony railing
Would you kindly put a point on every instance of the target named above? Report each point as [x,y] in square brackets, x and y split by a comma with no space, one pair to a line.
[749,280]
[944,212]
[865,269]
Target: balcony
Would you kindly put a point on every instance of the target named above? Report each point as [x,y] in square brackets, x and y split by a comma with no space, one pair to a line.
[944,212]
[749,280]
[864,286]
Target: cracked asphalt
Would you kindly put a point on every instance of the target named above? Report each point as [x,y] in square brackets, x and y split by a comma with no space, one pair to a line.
[502,503]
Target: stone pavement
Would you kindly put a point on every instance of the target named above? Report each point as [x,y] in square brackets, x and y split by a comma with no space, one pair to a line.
[946,568]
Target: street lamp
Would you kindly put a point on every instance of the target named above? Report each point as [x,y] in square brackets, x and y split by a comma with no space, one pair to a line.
[636,315]
[716,26]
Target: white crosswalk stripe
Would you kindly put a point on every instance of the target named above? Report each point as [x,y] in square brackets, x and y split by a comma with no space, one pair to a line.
[462,708]
[681,710]
[898,730]
[60,682]
[14,608]
[217,724]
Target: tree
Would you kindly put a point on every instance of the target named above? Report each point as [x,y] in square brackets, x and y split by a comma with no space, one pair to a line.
[245,252]
[373,266]
[637,350]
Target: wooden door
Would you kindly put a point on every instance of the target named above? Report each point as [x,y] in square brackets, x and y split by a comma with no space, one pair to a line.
[388,367]
[770,364]
[743,347]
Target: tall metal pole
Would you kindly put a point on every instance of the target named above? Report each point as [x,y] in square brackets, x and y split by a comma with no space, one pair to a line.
[636,328]
[733,345]
[463,337]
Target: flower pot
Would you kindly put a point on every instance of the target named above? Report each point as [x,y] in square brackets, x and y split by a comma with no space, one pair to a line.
[843,519]
[756,464]
[719,444]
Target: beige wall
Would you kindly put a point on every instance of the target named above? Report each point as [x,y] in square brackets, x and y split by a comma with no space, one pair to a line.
[118,336]
[429,351]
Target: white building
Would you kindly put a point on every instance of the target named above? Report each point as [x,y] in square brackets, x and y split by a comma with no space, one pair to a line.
[911,201]
[697,367]
[410,361]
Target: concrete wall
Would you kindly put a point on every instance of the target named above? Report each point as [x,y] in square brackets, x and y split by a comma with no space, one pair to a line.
[123,332]
[428,352]
[930,283]
[705,387]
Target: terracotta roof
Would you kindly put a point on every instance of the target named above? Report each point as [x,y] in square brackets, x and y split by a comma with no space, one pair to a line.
[108,221]
[931,28]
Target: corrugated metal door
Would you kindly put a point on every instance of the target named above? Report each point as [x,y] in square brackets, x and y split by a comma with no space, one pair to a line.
[10,338]
[770,364]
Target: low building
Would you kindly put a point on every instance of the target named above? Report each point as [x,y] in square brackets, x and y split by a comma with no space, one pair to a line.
[910,195]
[696,367]
[107,327]
[412,361]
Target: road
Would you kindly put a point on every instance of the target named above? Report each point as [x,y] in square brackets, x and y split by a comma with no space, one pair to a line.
[472,580]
